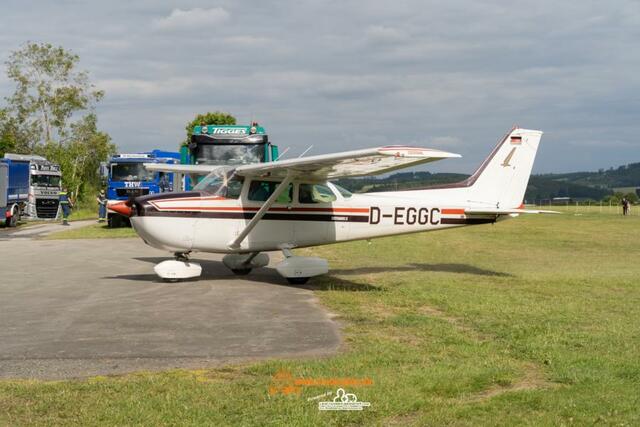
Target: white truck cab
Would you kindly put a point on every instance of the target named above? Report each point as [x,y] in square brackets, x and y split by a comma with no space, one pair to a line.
[44,186]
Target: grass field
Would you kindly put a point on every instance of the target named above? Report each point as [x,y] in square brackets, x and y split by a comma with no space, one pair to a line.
[94,231]
[531,321]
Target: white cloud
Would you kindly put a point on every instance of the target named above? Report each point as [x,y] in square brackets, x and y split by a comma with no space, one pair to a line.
[184,19]
[131,88]
[247,41]
[382,34]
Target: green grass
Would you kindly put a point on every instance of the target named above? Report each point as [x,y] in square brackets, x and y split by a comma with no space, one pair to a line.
[83,213]
[531,321]
[93,231]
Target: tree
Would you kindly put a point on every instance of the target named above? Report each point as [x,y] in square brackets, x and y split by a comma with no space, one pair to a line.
[632,197]
[79,155]
[51,112]
[49,91]
[8,137]
[210,118]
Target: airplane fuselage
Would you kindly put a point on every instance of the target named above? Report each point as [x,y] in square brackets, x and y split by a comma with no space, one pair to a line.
[185,222]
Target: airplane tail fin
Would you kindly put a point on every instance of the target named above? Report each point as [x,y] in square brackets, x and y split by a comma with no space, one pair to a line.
[501,180]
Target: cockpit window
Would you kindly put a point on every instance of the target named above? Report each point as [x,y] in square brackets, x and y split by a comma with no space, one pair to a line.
[260,191]
[315,193]
[222,182]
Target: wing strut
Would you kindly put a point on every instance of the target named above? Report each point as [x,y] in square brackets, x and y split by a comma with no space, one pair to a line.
[235,244]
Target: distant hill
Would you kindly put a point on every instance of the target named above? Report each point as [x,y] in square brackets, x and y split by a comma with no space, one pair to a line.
[577,185]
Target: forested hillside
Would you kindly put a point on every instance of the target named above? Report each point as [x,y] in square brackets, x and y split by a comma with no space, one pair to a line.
[576,185]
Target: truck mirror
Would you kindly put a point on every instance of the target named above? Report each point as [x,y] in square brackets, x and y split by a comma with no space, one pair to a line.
[104,170]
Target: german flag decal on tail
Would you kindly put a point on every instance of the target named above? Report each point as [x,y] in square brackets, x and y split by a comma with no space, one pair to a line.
[516,140]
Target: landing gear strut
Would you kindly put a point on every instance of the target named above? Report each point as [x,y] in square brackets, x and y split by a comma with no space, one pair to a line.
[178,268]
[242,264]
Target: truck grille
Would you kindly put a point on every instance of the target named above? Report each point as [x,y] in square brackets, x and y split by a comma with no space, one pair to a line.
[131,192]
[46,208]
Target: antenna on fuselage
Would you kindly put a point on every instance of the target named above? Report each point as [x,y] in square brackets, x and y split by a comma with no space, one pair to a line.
[281,154]
[306,151]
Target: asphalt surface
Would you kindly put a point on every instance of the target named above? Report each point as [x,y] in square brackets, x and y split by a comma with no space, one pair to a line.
[34,230]
[76,308]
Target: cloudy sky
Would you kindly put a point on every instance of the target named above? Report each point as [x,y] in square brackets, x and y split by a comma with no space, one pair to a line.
[345,74]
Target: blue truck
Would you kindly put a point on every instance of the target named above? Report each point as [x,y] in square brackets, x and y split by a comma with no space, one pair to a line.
[14,190]
[127,178]
[227,145]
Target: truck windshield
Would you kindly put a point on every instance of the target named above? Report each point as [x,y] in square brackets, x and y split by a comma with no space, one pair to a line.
[237,154]
[130,172]
[45,180]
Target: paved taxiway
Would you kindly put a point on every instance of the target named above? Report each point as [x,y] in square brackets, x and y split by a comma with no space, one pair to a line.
[72,308]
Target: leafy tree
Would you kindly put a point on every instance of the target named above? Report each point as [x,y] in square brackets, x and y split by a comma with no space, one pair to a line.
[8,137]
[49,91]
[210,118]
[632,197]
[51,113]
[80,154]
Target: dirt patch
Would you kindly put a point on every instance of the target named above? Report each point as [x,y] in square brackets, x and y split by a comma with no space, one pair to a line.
[533,379]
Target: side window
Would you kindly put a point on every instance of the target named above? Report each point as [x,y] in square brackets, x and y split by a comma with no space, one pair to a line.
[259,191]
[315,193]
[234,188]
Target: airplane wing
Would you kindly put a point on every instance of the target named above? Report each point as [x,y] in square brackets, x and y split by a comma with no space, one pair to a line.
[176,168]
[370,161]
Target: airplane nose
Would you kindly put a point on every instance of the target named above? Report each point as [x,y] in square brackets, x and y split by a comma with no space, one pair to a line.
[123,208]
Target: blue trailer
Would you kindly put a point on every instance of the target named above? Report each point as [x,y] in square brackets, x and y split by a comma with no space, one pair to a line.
[127,178]
[14,190]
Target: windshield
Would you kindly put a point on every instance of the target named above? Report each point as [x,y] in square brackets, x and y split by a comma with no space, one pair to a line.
[343,191]
[45,180]
[222,182]
[237,154]
[130,172]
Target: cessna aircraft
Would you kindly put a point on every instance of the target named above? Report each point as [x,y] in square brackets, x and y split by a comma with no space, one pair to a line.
[246,210]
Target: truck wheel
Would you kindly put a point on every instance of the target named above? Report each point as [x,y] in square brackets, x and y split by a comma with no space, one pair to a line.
[12,221]
[113,221]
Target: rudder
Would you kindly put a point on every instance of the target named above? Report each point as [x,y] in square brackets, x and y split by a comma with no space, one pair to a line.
[501,180]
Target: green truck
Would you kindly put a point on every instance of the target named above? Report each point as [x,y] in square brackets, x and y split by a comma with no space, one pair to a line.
[227,145]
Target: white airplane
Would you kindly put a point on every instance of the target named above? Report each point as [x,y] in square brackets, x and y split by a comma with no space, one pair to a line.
[246,210]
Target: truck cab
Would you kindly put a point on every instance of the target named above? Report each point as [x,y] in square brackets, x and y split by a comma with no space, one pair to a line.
[229,145]
[127,178]
[44,186]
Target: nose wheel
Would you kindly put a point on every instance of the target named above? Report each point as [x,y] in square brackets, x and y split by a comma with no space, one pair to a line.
[179,268]
[299,269]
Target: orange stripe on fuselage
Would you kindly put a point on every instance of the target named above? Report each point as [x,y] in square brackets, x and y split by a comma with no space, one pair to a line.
[453,211]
